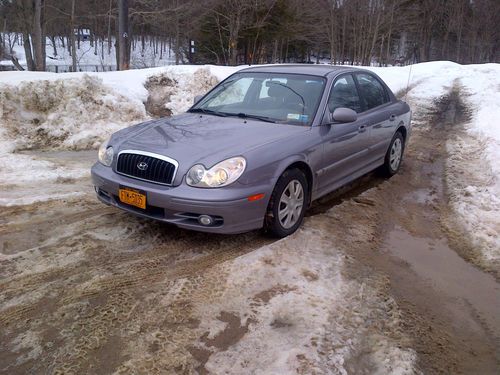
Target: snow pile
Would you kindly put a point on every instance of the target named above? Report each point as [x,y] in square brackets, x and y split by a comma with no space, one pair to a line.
[63,114]
[474,176]
[172,92]
[293,289]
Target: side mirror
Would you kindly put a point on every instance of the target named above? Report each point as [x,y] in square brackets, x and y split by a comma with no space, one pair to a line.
[344,115]
[197,98]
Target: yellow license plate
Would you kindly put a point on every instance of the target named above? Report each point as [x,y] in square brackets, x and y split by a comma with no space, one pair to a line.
[133,197]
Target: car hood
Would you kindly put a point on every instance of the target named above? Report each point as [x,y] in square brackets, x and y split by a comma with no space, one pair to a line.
[206,139]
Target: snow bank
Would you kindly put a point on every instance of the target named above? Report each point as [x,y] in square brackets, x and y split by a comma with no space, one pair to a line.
[473,170]
[474,177]
[294,289]
[75,113]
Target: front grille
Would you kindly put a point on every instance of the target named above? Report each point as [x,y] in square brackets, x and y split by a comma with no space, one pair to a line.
[146,166]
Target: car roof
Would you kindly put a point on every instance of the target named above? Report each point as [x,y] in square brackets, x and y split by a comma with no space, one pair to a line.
[311,69]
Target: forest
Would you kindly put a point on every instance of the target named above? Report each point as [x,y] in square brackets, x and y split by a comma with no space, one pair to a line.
[232,32]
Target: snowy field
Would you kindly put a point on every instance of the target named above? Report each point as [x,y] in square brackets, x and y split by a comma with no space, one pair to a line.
[294,288]
[89,57]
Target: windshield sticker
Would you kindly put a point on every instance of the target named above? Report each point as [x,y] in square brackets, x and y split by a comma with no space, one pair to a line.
[297,117]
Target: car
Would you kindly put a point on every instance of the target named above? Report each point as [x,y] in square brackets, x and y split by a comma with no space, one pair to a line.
[256,150]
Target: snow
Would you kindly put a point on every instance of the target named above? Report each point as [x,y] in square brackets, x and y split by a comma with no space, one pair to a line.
[312,303]
[301,313]
[476,192]
[86,58]
[80,110]
[473,170]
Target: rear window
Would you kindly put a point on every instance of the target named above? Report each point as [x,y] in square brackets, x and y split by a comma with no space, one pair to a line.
[373,93]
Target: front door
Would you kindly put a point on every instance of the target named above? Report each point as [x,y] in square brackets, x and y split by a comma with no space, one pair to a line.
[345,145]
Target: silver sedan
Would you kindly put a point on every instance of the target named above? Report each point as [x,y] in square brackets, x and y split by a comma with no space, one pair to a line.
[256,150]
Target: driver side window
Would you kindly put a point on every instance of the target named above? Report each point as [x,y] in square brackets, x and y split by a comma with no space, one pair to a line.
[344,95]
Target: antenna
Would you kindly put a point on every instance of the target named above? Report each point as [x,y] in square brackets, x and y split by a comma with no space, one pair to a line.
[408,82]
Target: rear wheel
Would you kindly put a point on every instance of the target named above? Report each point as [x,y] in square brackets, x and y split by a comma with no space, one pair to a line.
[287,204]
[394,155]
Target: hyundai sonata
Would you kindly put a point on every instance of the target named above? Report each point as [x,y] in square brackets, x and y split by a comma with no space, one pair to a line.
[256,150]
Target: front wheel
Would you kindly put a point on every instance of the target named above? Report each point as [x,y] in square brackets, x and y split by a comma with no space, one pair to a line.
[288,203]
[394,155]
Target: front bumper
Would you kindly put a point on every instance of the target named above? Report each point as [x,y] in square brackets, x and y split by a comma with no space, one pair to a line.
[182,205]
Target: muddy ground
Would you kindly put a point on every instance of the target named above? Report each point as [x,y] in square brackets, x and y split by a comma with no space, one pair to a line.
[79,281]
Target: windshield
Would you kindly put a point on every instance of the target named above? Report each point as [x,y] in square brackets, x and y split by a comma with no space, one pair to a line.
[271,97]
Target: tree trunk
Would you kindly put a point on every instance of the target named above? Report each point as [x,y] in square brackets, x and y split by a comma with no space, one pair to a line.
[177,35]
[109,28]
[4,33]
[37,36]
[72,37]
[15,61]
[27,51]
[54,47]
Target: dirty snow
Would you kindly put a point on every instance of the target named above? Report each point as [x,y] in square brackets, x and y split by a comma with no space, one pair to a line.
[473,170]
[294,287]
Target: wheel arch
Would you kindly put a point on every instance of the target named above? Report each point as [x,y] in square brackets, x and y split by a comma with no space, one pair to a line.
[303,166]
[404,132]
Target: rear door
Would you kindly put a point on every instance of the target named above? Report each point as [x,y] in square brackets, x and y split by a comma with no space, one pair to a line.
[379,114]
[345,145]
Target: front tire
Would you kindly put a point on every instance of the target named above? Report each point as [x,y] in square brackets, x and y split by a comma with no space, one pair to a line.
[394,155]
[288,203]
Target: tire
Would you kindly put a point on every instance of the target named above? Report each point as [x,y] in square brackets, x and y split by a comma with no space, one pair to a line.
[394,156]
[281,222]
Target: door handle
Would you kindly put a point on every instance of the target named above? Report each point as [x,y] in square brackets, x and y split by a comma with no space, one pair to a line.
[362,128]
[392,117]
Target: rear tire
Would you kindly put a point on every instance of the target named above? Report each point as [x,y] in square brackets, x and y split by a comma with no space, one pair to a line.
[394,156]
[288,204]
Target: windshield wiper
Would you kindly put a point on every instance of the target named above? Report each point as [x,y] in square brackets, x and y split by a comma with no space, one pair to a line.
[292,90]
[208,112]
[246,115]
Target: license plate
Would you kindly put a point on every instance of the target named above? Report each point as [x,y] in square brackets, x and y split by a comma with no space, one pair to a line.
[133,197]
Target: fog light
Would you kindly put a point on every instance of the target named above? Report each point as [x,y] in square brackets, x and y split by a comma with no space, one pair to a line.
[205,220]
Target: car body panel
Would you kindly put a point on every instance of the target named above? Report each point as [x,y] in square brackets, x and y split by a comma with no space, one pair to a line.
[334,153]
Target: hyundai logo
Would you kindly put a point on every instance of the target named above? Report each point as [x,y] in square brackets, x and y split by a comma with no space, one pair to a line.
[142,166]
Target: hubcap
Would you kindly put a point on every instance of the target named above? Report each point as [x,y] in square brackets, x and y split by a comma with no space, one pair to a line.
[396,151]
[291,202]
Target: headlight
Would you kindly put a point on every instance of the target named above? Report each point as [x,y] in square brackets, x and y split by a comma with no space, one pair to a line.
[106,154]
[222,174]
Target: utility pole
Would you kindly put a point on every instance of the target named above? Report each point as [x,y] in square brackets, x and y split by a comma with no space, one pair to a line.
[123,42]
